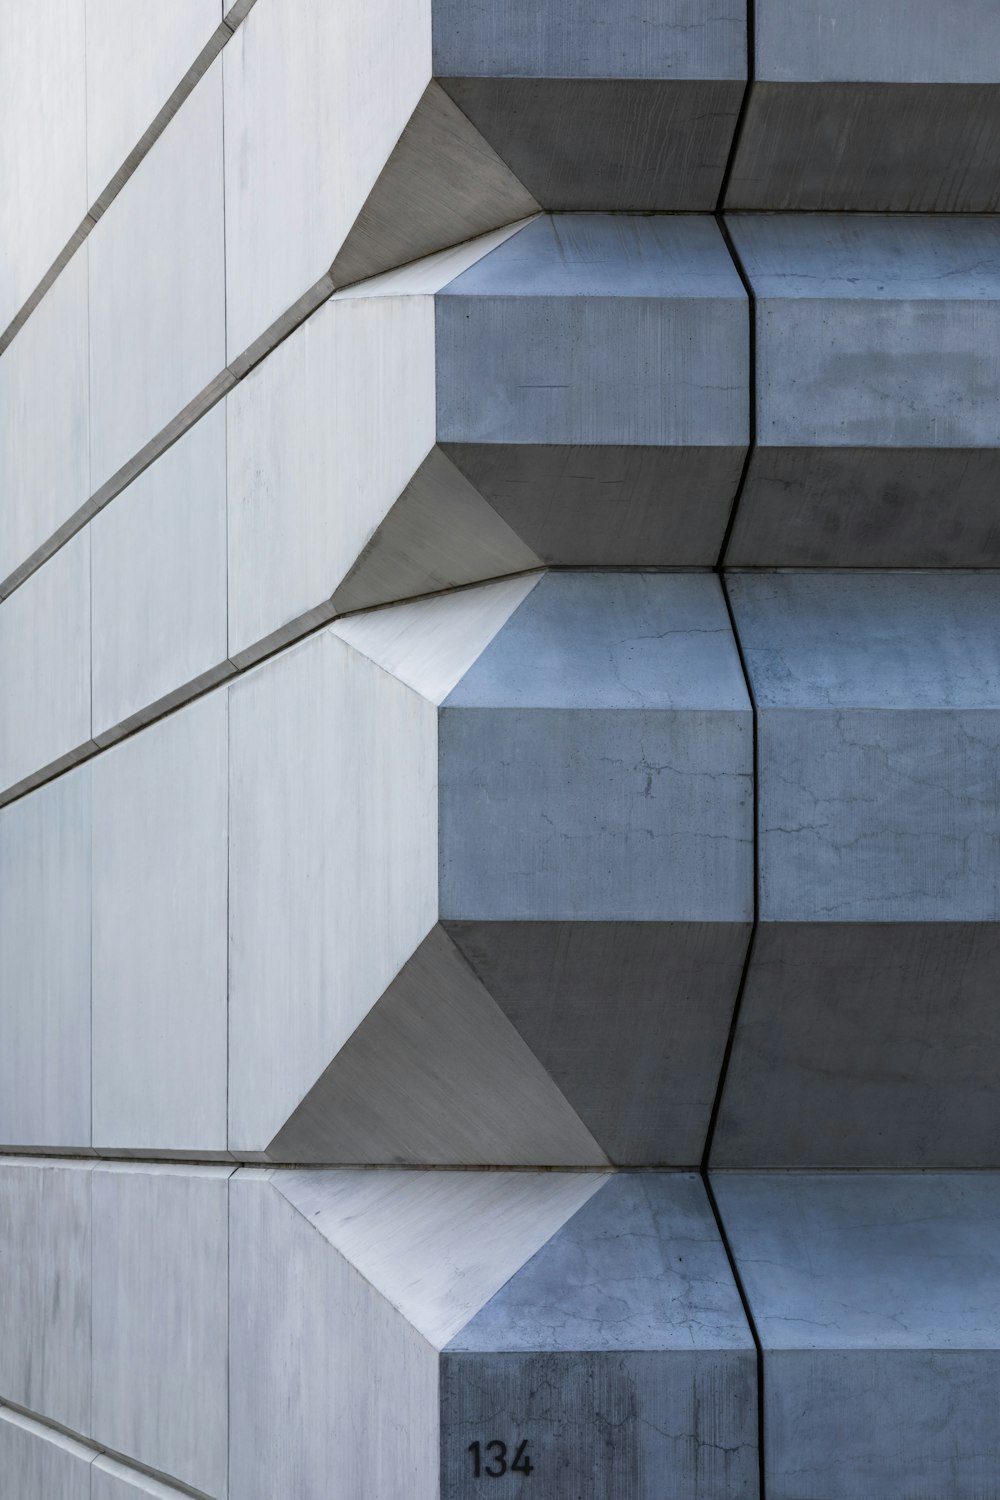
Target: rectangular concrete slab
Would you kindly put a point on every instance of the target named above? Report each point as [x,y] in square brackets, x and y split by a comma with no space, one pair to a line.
[45,1290]
[38,1463]
[45,669]
[159,946]
[160,1353]
[137,58]
[45,966]
[157,286]
[44,416]
[875,1299]
[158,574]
[43,174]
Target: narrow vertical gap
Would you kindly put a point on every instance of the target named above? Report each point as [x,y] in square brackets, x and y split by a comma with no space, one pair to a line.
[751,391]
[744,106]
[748,1314]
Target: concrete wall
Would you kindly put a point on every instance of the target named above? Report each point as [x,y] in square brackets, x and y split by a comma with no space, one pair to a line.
[499,725]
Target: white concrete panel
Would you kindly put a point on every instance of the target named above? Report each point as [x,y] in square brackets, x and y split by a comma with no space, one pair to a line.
[157,286]
[111,1480]
[137,55]
[161,1317]
[44,413]
[45,966]
[159,581]
[45,667]
[43,167]
[37,1463]
[323,438]
[159,938]
[45,1252]
[332,1392]
[432,643]
[438,1245]
[317,96]
[333,874]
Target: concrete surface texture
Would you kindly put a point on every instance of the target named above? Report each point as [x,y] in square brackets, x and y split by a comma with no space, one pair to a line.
[499,727]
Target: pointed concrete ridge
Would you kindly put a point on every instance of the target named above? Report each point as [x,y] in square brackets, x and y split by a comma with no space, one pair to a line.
[511,1307]
[878,699]
[379,1101]
[566,390]
[875,1297]
[437,1245]
[878,440]
[459,744]
[114,1481]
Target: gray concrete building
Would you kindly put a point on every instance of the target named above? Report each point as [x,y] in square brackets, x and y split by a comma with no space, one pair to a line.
[499,750]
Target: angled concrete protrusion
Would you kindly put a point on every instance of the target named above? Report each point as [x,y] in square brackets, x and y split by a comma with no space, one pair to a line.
[439,1323]
[878,428]
[892,107]
[869,1034]
[494,846]
[573,391]
[592,106]
[875,1299]
[39,1463]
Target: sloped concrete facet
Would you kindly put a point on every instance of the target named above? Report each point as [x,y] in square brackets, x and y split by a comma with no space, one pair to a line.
[875,1300]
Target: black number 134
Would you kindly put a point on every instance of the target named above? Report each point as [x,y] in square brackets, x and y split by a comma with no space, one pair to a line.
[497,1465]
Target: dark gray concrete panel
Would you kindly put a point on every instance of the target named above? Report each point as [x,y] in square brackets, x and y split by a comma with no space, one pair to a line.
[866,1045]
[588,39]
[619,1355]
[876,1300]
[878,360]
[629,1019]
[618,144]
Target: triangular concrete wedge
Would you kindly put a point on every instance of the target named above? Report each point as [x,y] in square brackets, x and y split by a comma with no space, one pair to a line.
[440,533]
[437,1245]
[436,1034]
[441,185]
[629,1018]
[430,644]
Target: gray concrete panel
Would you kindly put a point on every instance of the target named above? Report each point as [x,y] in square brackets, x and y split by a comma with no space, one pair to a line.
[619,1356]
[157,286]
[875,1299]
[159,944]
[865,1045]
[327,1378]
[876,364]
[45,669]
[136,58]
[45,1292]
[609,144]
[45,966]
[555,39]
[114,1481]
[43,174]
[40,1464]
[44,416]
[629,1020]
[158,575]
[160,1351]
